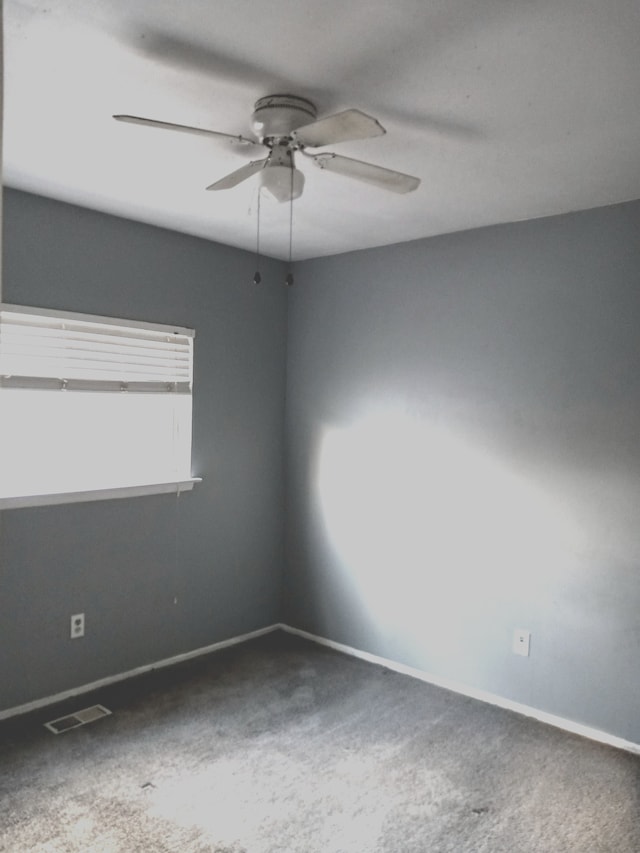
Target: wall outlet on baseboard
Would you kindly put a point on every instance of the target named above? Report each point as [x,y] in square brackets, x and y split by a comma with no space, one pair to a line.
[77,626]
[521,642]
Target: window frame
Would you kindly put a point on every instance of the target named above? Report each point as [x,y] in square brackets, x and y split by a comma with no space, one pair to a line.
[176,485]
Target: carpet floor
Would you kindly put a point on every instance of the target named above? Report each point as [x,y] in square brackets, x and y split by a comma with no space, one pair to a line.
[283,746]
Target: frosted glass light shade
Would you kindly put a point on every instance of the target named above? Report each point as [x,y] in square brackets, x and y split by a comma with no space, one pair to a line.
[281,182]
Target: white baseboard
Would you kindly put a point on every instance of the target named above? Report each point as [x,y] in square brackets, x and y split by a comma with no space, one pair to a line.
[139,670]
[474,693]
[421,675]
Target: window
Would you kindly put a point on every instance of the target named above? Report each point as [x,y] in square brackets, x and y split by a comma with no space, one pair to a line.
[90,405]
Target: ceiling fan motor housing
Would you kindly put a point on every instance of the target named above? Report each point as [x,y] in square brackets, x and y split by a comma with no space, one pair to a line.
[277,116]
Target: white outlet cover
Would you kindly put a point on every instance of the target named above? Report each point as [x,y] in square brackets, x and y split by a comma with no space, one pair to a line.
[77,625]
[521,642]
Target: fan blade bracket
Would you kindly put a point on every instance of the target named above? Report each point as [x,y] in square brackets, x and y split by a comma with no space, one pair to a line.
[378,176]
[340,127]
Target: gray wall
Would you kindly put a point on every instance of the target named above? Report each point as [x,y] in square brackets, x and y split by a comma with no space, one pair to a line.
[462,460]
[463,422]
[219,549]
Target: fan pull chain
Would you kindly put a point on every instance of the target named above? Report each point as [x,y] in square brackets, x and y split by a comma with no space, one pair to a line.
[289,277]
[257,277]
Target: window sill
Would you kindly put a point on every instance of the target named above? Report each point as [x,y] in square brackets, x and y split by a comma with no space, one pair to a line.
[21,501]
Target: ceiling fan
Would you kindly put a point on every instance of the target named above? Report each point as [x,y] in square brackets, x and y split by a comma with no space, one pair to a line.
[286,125]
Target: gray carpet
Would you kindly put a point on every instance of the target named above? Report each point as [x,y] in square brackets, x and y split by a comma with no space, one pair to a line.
[280,745]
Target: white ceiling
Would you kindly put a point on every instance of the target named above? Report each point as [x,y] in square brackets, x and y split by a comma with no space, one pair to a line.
[506,109]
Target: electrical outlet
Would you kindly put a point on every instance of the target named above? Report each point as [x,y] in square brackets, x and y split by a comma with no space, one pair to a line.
[521,642]
[77,626]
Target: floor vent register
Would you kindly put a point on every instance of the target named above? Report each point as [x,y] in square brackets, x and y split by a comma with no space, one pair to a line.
[79,718]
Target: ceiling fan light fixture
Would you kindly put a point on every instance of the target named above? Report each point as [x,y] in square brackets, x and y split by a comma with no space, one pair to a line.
[286,125]
[282,183]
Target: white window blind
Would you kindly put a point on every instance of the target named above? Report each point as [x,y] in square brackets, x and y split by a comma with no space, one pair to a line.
[91,403]
[58,349]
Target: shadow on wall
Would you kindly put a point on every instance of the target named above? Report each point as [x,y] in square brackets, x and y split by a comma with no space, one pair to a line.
[439,539]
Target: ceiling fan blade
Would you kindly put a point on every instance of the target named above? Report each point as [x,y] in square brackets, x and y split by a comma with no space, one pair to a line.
[341,127]
[241,174]
[183,128]
[386,179]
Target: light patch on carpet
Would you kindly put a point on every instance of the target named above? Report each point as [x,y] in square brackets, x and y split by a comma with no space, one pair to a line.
[342,805]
